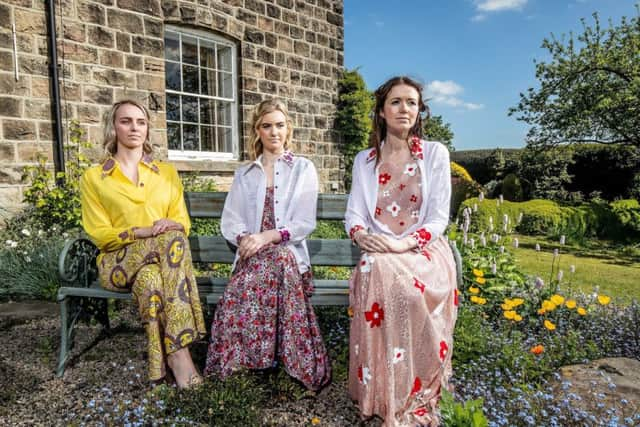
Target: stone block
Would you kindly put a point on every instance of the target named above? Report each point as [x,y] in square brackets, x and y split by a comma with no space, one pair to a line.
[311,66]
[9,85]
[265,55]
[290,17]
[45,131]
[153,28]
[301,48]
[6,60]
[126,92]
[308,80]
[281,28]
[21,130]
[171,9]
[40,87]
[30,64]
[285,91]
[249,84]
[88,113]
[272,73]
[10,107]
[147,46]
[271,40]
[296,32]
[79,53]
[111,77]
[124,21]
[30,22]
[30,151]
[10,197]
[268,87]
[273,11]
[36,109]
[151,82]
[335,19]
[74,31]
[111,58]
[5,16]
[253,36]
[248,51]
[123,42]
[100,36]
[82,72]
[253,69]
[310,36]
[148,7]
[7,152]
[255,6]
[134,62]
[265,24]
[246,17]
[287,4]
[295,63]
[188,14]
[153,65]
[221,23]
[97,94]
[285,44]
[90,13]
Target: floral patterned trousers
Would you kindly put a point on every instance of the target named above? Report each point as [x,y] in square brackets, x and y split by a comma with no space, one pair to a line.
[159,273]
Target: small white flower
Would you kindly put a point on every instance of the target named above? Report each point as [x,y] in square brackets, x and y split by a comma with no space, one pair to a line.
[560,275]
[40,232]
[505,219]
[11,243]
[26,232]
[410,169]
[516,243]
[385,193]
[365,263]
[415,214]
[562,239]
[65,234]
[490,220]
[497,202]
[394,209]
[398,355]
[481,196]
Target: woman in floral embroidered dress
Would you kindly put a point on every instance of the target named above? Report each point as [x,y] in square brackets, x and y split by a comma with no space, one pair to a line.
[403,294]
[133,209]
[265,314]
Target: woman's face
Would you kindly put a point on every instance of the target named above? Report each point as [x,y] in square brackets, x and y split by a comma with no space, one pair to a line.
[401,109]
[272,131]
[131,126]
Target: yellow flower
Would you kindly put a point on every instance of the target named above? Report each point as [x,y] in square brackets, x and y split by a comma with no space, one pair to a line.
[517,301]
[474,290]
[541,311]
[517,317]
[481,280]
[549,325]
[603,299]
[315,421]
[570,304]
[478,273]
[510,314]
[557,299]
[506,306]
[478,300]
[548,305]
[582,311]
[538,349]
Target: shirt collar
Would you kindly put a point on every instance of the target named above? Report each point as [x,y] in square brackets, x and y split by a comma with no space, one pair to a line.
[109,165]
[286,156]
[415,147]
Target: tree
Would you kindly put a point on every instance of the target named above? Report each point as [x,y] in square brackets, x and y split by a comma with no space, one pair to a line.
[435,129]
[353,118]
[543,173]
[589,90]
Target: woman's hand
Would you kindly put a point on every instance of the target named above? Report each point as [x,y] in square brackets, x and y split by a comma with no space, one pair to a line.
[251,244]
[381,243]
[165,224]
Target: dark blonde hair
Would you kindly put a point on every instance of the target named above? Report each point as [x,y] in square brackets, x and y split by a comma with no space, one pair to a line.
[266,107]
[109,142]
[380,126]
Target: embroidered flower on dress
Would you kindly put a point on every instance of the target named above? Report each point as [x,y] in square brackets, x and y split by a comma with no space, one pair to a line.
[416,148]
[375,316]
[420,412]
[383,178]
[394,209]
[444,348]
[365,263]
[410,169]
[413,198]
[415,214]
[386,193]
[418,284]
[417,385]
[402,187]
[398,355]
[378,211]
[364,375]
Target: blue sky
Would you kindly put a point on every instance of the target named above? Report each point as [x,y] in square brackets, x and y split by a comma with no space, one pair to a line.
[474,56]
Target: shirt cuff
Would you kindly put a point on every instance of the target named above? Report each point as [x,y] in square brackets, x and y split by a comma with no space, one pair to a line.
[354,230]
[241,236]
[128,235]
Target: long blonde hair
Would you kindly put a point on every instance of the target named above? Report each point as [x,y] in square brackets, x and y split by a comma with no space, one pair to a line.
[109,141]
[266,107]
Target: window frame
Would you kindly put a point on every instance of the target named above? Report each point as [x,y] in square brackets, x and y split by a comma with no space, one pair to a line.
[191,155]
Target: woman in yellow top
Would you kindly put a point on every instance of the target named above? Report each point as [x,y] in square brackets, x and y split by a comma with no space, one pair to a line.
[133,209]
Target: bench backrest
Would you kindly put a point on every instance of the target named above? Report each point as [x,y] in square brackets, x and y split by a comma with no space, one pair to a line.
[333,252]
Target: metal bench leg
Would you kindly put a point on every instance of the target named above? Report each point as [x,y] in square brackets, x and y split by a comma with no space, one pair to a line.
[65,338]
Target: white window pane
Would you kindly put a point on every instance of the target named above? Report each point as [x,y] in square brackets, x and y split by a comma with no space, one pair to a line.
[173,136]
[225,139]
[224,58]
[190,109]
[172,75]
[189,50]
[190,137]
[208,82]
[224,113]
[207,111]
[171,46]
[207,54]
[190,80]
[225,85]
[173,107]
[208,138]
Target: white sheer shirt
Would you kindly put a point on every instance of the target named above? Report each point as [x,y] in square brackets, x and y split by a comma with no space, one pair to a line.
[295,191]
[435,172]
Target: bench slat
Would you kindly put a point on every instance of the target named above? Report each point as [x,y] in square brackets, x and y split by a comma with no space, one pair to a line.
[209,205]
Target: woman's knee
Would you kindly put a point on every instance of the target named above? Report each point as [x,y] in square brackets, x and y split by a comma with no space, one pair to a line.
[148,279]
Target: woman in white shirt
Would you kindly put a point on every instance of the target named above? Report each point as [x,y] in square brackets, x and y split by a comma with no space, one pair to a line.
[265,314]
[403,293]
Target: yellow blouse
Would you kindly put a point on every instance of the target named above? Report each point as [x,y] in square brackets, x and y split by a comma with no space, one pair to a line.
[113,206]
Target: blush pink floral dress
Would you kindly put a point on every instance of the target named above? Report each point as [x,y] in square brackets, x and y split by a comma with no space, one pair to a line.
[404,310]
[265,315]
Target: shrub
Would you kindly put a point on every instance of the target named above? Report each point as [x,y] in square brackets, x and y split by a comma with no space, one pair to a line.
[627,214]
[512,188]
[462,187]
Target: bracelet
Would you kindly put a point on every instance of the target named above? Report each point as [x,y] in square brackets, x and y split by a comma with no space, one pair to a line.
[284,235]
[353,231]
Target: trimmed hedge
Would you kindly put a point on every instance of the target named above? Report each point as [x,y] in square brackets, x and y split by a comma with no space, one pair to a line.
[619,220]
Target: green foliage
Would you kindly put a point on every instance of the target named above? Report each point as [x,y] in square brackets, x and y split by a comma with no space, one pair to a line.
[467,414]
[543,173]
[233,402]
[511,188]
[58,204]
[478,164]
[353,118]
[589,90]
[627,213]
[435,129]
[196,183]
[471,336]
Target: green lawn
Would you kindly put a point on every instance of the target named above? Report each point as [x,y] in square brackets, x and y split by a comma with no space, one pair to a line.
[614,269]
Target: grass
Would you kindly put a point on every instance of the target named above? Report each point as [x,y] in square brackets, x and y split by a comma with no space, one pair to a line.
[613,269]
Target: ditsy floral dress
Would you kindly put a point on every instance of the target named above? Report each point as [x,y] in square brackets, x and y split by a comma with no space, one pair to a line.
[404,310]
[265,315]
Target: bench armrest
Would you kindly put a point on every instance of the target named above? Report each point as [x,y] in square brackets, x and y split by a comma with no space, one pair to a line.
[77,262]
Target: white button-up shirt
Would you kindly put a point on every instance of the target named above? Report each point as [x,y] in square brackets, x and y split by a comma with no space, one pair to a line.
[433,160]
[295,193]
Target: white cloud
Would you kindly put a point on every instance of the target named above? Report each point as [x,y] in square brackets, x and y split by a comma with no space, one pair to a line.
[499,5]
[447,93]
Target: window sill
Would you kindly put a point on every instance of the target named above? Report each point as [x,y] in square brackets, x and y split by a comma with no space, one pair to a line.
[220,166]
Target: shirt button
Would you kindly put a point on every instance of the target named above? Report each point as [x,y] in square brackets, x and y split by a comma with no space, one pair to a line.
[277,173]
[142,184]
[276,202]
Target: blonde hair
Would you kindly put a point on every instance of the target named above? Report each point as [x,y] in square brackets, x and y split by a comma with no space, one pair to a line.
[266,107]
[110,141]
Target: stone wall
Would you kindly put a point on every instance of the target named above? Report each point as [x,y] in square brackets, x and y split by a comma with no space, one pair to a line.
[111,49]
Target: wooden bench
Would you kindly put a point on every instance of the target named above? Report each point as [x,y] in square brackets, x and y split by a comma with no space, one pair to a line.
[82,297]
